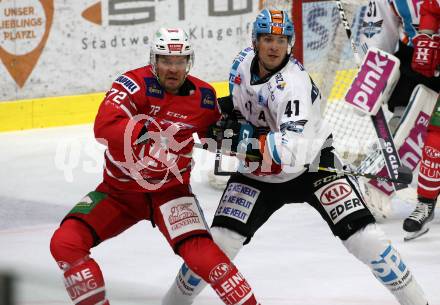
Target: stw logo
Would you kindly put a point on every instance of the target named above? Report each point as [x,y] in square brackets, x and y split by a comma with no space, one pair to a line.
[335,192]
[120,12]
[24,30]
[389,266]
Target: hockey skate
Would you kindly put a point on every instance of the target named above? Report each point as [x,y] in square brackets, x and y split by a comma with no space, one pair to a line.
[417,224]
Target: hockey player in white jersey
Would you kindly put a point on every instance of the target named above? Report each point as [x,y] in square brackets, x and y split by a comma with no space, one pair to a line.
[273,93]
[409,30]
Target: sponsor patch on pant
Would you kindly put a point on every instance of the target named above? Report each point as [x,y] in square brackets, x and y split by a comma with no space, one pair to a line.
[338,199]
[182,215]
[238,201]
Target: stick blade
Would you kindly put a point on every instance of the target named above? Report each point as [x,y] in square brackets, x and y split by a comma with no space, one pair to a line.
[404,174]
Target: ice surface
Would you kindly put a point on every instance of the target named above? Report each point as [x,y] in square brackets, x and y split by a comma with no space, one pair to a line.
[293,259]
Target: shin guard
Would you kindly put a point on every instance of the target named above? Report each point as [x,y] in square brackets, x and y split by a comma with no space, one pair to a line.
[208,262]
[371,247]
[188,285]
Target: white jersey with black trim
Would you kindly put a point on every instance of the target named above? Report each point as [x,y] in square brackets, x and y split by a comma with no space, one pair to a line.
[289,103]
[387,21]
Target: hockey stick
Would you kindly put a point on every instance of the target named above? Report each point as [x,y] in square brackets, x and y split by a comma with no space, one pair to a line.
[404,175]
[218,157]
[348,31]
[389,151]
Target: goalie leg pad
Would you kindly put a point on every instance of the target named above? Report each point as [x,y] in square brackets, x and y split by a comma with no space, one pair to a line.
[421,104]
[410,135]
[377,202]
[371,247]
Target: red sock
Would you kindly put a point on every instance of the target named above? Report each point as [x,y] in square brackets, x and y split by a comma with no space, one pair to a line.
[429,174]
[206,259]
[231,286]
[85,284]
[70,246]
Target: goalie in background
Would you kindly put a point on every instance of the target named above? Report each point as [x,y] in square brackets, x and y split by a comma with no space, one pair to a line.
[279,119]
[399,28]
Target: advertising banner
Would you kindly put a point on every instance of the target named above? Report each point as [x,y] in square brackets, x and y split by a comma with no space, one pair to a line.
[55,47]
[52,48]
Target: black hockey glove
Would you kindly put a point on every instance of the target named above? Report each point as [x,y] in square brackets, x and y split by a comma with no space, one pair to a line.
[226,105]
[237,137]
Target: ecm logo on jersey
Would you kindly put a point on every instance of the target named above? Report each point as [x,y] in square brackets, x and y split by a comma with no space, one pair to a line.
[134,12]
[24,29]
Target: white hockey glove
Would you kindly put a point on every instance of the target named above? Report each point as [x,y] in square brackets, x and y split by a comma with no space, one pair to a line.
[288,149]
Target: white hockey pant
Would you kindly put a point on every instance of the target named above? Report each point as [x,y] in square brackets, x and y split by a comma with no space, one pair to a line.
[371,247]
[187,285]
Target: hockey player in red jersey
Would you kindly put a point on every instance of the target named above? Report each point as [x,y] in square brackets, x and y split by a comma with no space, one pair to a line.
[425,60]
[146,120]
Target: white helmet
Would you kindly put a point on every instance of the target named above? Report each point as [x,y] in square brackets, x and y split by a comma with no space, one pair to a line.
[171,42]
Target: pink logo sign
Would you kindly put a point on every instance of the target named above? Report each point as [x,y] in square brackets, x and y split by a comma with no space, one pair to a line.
[370,82]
